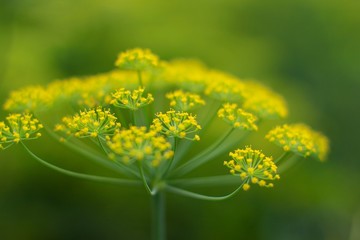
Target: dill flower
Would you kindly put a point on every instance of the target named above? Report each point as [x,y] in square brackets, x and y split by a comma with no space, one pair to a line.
[184,101]
[152,147]
[139,144]
[186,74]
[137,59]
[28,99]
[89,123]
[177,124]
[224,87]
[300,139]
[237,117]
[20,127]
[131,99]
[253,167]
[263,102]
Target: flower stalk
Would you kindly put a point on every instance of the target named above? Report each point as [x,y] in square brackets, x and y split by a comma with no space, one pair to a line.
[158,216]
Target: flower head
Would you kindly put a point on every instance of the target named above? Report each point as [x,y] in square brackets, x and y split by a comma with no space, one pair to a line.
[137,59]
[153,133]
[253,167]
[177,124]
[139,144]
[131,99]
[20,127]
[300,139]
[189,75]
[237,117]
[184,101]
[263,102]
[89,123]
[224,87]
[28,99]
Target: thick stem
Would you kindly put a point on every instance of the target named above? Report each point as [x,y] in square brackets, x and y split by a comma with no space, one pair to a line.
[158,216]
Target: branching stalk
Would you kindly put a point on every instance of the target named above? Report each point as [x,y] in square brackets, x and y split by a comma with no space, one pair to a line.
[95,178]
[201,196]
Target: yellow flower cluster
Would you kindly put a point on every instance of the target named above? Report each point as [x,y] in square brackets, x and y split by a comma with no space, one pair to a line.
[253,167]
[237,117]
[89,92]
[189,75]
[137,59]
[264,103]
[89,123]
[300,139]
[20,127]
[131,99]
[224,87]
[253,97]
[185,83]
[139,144]
[28,99]
[184,101]
[176,124]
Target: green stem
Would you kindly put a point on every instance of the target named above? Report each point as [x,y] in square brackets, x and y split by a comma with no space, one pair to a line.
[288,163]
[132,117]
[202,157]
[201,196]
[176,141]
[120,114]
[220,180]
[215,106]
[158,216]
[140,78]
[81,175]
[210,116]
[143,178]
[285,155]
[83,149]
[102,145]
[137,117]
[3,148]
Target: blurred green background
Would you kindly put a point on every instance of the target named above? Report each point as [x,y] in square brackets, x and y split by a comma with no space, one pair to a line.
[307,50]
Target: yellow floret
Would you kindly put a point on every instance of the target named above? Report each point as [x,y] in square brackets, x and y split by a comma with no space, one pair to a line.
[184,101]
[90,123]
[246,164]
[140,144]
[131,99]
[263,102]
[20,127]
[237,117]
[177,124]
[29,99]
[300,139]
[137,59]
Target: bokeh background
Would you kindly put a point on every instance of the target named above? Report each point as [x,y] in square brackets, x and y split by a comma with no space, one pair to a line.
[307,50]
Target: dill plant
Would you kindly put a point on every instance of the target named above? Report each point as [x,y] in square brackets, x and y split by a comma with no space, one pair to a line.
[145,120]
